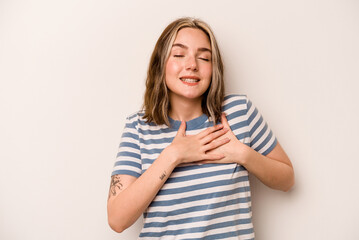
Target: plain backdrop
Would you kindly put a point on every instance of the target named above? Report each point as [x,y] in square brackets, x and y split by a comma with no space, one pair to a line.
[72,70]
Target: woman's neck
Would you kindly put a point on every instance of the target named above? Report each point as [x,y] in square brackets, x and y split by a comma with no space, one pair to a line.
[184,109]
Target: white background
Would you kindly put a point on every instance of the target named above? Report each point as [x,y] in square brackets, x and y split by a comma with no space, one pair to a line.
[72,70]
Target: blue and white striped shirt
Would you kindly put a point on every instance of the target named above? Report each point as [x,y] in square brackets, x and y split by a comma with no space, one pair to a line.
[208,201]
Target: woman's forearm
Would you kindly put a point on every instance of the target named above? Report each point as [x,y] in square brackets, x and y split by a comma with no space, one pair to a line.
[275,173]
[135,195]
[128,205]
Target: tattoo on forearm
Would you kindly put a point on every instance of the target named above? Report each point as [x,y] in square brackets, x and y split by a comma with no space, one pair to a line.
[163,175]
[115,185]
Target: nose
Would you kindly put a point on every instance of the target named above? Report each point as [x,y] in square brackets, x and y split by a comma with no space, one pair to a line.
[191,64]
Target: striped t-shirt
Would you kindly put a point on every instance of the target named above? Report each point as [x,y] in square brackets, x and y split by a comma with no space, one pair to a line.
[208,201]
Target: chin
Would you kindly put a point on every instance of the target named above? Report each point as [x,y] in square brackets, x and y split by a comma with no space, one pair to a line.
[193,95]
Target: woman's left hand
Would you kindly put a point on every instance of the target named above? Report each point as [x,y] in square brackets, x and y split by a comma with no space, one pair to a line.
[275,169]
[234,151]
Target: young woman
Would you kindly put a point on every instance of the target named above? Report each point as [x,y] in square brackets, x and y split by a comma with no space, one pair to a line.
[184,159]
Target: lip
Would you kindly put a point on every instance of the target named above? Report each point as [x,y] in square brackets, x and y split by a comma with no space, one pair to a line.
[190,84]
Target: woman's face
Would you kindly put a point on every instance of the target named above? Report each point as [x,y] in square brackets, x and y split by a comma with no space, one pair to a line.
[189,66]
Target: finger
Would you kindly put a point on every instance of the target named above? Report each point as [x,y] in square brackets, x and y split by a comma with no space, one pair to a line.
[209,130]
[210,157]
[215,144]
[182,129]
[224,120]
[214,135]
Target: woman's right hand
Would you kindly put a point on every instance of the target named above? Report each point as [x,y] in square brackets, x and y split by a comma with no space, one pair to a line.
[192,148]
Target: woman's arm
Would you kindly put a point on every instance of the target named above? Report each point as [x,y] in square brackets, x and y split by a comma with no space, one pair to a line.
[129,196]
[274,170]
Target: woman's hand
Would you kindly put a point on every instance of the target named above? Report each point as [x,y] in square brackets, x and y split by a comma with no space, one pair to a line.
[234,151]
[193,148]
[275,169]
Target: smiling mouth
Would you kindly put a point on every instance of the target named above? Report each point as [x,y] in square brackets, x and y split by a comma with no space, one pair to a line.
[189,80]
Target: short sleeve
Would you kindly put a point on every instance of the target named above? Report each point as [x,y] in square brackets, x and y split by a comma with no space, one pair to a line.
[261,136]
[128,159]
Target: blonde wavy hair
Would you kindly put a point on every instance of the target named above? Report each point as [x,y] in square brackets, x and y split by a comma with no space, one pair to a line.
[156,99]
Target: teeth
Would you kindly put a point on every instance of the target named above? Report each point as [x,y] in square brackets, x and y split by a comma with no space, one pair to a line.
[189,80]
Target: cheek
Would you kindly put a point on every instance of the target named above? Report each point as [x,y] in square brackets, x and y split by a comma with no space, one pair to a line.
[207,71]
[172,68]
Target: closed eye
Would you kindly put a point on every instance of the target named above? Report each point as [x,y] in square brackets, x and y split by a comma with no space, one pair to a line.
[204,59]
[178,55]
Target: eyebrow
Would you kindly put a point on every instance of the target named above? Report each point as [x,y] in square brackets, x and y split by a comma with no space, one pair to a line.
[185,47]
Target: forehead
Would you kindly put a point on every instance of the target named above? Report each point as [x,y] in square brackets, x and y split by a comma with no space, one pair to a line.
[192,37]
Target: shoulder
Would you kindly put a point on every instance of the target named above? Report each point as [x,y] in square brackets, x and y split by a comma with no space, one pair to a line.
[236,98]
[135,116]
[236,101]
[134,119]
